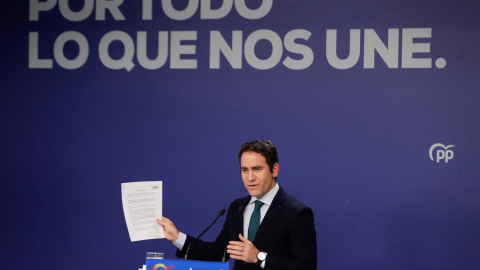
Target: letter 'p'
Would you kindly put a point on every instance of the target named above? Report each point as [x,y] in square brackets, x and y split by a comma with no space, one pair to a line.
[448,155]
[440,155]
[36,6]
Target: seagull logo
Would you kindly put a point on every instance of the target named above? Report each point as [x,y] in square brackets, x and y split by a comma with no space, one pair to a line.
[160,266]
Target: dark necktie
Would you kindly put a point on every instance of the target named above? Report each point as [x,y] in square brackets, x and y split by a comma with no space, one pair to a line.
[254,221]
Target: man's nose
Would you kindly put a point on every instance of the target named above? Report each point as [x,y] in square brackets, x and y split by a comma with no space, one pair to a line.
[251,176]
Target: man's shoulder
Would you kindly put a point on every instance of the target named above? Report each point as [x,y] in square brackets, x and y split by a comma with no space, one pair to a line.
[241,201]
[238,205]
[290,201]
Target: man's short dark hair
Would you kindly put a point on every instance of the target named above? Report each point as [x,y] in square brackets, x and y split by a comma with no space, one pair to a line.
[265,148]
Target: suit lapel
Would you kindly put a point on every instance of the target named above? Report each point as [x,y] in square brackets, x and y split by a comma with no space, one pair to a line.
[241,209]
[272,212]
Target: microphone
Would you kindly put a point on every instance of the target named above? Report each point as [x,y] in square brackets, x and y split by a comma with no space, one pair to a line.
[221,213]
[225,253]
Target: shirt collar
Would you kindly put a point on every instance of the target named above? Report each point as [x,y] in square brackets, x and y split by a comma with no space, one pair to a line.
[268,197]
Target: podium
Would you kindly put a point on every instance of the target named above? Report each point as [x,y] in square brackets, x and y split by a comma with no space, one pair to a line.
[162,264]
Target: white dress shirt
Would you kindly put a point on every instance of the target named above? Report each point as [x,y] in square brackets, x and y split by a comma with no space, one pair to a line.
[267,201]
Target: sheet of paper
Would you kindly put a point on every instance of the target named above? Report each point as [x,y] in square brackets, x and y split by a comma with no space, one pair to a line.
[142,205]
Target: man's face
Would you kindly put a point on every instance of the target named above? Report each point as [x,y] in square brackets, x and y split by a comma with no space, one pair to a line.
[256,174]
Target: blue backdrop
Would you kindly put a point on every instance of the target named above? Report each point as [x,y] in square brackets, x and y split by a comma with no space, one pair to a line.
[355,94]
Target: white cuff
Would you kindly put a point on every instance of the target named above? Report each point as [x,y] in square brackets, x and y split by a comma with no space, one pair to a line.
[180,240]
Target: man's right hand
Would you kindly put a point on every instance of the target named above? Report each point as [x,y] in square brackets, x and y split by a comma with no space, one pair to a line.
[171,232]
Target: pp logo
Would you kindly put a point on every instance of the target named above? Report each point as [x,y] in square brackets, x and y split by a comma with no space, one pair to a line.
[442,153]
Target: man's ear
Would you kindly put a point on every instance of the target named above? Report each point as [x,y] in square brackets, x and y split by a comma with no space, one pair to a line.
[275,169]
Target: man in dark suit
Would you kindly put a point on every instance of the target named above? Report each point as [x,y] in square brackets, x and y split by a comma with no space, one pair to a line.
[268,229]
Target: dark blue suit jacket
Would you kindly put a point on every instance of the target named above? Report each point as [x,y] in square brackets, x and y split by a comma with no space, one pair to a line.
[287,234]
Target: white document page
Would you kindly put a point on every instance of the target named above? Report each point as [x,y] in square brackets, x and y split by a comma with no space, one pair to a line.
[142,205]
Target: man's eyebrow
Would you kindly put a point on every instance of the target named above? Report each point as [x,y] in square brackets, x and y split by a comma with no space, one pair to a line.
[253,167]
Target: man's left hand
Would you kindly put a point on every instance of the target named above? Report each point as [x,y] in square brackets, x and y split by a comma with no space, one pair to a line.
[242,250]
